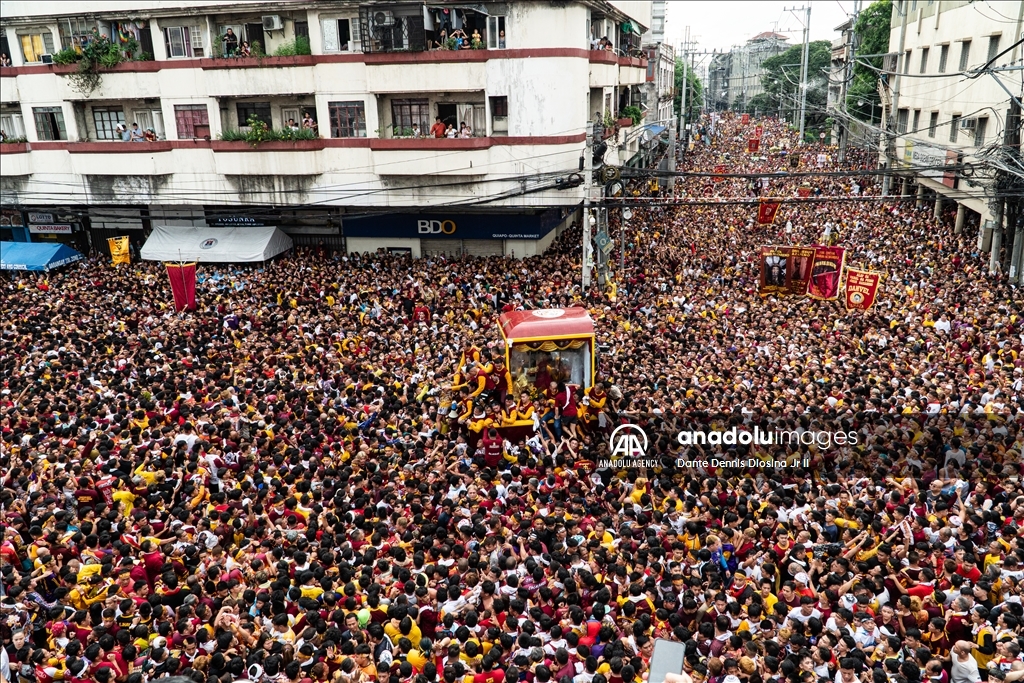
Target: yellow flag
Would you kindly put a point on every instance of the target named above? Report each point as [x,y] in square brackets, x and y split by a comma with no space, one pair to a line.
[119,250]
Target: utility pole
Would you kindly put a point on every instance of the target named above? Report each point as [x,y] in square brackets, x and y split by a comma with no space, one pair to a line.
[588,180]
[803,65]
[851,57]
[682,95]
[890,120]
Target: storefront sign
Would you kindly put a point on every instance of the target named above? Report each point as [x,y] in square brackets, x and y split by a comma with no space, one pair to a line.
[455,226]
[11,217]
[53,229]
[235,222]
[40,217]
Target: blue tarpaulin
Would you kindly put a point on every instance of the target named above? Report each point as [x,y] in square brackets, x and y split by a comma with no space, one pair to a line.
[36,255]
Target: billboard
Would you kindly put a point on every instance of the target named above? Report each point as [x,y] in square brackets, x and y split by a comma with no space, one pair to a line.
[455,225]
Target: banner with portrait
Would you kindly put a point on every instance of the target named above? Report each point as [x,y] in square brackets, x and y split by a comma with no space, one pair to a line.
[745,119]
[801,261]
[758,132]
[826,273]
[753,144]
[774,265]
[861,289]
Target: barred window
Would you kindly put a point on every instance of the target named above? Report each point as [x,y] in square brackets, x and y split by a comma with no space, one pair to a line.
[187,117]
[348,119]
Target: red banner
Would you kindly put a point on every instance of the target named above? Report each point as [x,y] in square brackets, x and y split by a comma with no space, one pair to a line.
[803,191]
[753,144]
[720,168]
[826,273]
[774,270]
[745,119]
[861,288]
[766,212]
[183,285]
[801,260]
[758,132]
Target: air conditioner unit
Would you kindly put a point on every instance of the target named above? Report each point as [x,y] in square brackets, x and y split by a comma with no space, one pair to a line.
[46,59]
[968,124]
[383,19]
[272,22]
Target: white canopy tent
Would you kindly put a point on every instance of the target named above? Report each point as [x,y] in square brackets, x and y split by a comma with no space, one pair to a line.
[215,245]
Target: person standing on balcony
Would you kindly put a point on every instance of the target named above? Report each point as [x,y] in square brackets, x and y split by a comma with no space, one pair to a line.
[136,134]
[465,131]
[438,129]
[230,43]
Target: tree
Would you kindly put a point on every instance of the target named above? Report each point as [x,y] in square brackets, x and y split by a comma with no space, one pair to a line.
[781,82]
[695,97]
[872,31]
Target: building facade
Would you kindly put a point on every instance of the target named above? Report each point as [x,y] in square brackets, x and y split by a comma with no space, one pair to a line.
[346,98]
[943,119]
[719,70]
[745,67]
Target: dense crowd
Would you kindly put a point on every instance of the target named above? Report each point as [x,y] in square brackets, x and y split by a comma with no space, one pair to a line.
[304,479]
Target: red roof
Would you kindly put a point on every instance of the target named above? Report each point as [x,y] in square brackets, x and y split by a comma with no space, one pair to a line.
[546,323]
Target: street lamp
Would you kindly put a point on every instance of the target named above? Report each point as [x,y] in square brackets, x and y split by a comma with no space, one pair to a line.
[861,103]
[589,222]
[627,213]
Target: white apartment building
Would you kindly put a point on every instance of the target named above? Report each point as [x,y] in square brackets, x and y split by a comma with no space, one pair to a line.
[745,67]
[373,83]
[943,118]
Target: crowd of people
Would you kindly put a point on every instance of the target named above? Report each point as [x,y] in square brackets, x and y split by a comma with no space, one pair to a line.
[312,477]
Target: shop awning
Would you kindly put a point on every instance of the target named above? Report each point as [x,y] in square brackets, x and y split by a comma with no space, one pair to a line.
[215,245]
[546,323]
[36,255]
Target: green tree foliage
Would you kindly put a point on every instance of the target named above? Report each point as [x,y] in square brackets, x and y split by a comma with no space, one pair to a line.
[695,97]
[872,31]
[781,83]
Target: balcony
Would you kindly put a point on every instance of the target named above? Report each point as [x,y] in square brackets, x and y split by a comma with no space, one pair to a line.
[248,76]
[421,156]
[278,158]
[14,158]
[409,72]
[604,69]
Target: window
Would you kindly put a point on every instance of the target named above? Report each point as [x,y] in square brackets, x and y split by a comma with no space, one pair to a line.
[933,123]
[348,119]
[261,110]
[338,34]
[993,47]
[187,117]
[924,60]
[496,33]
[74,31]
[50,123]
[151,119]
[107,119]
[302,29]
[179,41]
[906,61]
[917,119]
[965,54]
[954,127]
[901,120]
[979,132]
[943,57]
[405,113]
[35,45]
[12,125]
[195,34]
[499,115]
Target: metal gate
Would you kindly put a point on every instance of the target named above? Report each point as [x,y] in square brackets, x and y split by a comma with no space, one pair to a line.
[483,247]
[328,242]
[440,247]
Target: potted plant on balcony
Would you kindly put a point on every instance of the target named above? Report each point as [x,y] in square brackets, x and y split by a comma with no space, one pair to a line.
[97,54]
[633,114]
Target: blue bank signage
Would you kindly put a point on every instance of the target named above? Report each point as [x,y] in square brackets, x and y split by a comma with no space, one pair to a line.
[455,226]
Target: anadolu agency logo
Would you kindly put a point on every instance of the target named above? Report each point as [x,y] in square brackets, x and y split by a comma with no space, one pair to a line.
[628,445]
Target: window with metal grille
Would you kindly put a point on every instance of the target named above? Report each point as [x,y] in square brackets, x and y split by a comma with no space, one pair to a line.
[36,44]
[261,110]
[107,120]
[933,123]
[348,119]
[901,120]
[178,40]
[965,54]
[187,117]
[979,132]
[12,124]
[954,127]
[74,31]
[195,34]
[917,119]
[50,123]
[406,112]
[993,47]
[924,59]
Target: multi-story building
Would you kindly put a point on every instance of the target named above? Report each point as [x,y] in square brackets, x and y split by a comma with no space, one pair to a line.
[944,118]
[746,67]
[719,70]
[661,67]
[840,74]
[371,79]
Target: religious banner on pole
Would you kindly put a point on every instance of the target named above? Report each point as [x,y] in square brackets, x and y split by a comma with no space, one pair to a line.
[803,191]
[861,289]
[801,260]
[753,144]
[183,285]
[720,168]
[119,252]
[758,132]
[826,273]
[745,119]
[766,212]
[774,266]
